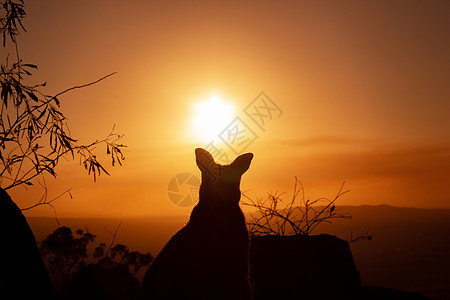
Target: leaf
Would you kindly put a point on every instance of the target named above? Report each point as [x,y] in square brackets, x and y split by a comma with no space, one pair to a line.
[101,167]
[32,96]
[42,114]
[30,66]
[50,170]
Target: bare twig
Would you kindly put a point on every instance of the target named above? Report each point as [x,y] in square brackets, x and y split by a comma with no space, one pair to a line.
[45,201]
[300,216]
[363,235]
[113,237]
[83,85]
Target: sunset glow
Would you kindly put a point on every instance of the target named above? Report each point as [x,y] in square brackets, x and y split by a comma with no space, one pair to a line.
[363,90]
[210,117]
[195,132]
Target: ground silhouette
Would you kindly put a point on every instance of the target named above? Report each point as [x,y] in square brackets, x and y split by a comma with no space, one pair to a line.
[23,274]
[303,267]
[207,258]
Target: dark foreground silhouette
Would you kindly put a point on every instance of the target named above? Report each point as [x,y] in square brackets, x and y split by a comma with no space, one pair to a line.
[318,267]
[303,267]
[22,272]
[207,259]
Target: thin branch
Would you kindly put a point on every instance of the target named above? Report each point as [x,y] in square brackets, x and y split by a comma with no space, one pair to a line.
[363,235]
[44,201]
[302,221]
[113,235]
[84,85]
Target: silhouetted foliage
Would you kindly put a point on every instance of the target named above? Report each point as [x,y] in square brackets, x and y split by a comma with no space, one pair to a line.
[120,256]
[300,216]
[65,253]
[111,270]
[34,134]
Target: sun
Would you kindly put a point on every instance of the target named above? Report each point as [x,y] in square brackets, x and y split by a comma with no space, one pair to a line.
[210,117]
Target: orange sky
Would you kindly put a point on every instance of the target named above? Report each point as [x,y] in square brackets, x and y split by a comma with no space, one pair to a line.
[363,88]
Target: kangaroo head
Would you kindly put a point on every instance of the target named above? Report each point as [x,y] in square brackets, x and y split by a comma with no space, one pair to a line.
[220,184]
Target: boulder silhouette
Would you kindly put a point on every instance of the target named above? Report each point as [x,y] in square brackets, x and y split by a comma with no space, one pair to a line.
[302,267]
[207,258]
[23,274]
[381,293]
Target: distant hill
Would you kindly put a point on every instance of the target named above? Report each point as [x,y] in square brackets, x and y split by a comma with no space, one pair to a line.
[410,249]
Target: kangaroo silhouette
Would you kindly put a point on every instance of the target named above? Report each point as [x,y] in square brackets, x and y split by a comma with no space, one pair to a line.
[208,257]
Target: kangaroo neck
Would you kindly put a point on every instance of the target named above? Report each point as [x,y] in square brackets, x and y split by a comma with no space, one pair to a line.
[205,214]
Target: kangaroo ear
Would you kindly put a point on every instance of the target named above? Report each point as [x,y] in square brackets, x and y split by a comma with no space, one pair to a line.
[204,159]
[242,163]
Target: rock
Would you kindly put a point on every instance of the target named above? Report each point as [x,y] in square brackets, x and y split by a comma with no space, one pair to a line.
[302,267]
[23,274]
[381,293]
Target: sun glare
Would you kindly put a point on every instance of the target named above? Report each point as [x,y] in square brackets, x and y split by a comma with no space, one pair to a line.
[210,118]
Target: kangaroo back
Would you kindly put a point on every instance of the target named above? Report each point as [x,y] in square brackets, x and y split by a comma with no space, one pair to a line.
[208,257]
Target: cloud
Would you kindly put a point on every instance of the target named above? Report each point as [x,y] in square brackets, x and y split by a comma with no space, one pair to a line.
[324,141]
[403,174]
